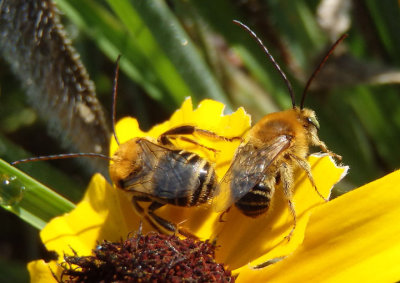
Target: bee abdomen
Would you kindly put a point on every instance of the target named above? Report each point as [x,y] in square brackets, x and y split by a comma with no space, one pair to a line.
[256,201]
[201,179]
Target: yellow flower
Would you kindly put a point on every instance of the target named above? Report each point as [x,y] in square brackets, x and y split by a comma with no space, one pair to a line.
[349,237]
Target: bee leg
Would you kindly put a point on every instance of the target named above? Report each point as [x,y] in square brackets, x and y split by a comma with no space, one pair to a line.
[190,130]
[163,225]
[306,167]
[216,136]
[220,218]
[268,262]
[287,181]
[166,137]
[317,142]
[293,212]
[198,144]
[140,211]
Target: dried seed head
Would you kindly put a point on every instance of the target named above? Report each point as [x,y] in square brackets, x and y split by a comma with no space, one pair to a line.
[147,258]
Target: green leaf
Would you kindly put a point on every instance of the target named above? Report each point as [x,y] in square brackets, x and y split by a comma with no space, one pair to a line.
[42,171]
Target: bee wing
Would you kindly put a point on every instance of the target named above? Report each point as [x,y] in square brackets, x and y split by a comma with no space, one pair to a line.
[246,171]
[140,180]
[152,153]
[165,173]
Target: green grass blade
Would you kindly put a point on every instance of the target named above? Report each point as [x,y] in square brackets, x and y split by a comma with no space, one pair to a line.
[175,43]
[30,200]
[42,171]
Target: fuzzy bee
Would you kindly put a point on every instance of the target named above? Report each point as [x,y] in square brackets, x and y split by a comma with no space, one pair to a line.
[272,150]
[157,172]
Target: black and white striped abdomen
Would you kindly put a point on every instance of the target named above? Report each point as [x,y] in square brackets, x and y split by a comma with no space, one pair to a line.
[256,201]
[183,178]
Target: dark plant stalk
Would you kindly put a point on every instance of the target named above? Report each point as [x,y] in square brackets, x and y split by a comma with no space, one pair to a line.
[34,43]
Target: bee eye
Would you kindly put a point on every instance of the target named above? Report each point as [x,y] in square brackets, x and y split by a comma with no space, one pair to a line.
[313,121]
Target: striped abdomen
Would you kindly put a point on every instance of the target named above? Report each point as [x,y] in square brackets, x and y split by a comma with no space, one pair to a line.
[183,178]
[256,201]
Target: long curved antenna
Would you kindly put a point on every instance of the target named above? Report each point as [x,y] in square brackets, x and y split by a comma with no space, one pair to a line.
[115,88]
[316,71]
[61,156]
[253,34]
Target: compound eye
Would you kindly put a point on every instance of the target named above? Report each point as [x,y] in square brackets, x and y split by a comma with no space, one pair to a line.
[313,121]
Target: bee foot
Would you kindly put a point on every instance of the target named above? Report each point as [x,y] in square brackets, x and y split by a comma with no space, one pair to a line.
[187,234]
[289,236]
[220,218]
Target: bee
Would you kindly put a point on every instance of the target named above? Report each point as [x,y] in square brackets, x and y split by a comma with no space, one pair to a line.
[157,172]
[272,150]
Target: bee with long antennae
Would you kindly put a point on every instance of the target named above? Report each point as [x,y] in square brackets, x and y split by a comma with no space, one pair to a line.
[156,171]
[273,149]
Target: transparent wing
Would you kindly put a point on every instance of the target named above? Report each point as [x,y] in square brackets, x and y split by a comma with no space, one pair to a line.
[248,168]
[166,173]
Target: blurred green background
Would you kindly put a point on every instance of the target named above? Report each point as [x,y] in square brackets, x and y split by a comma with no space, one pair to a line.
[174,49]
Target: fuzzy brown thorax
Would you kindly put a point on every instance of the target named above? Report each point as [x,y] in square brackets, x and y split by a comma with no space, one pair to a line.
[300,125]
[125,161]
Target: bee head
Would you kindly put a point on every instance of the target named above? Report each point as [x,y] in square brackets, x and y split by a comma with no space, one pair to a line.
[310,119]
[125,162]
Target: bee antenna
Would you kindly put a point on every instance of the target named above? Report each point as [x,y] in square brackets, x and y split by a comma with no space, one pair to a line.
[60,156]
[114,103]
[287,82]
[318,69]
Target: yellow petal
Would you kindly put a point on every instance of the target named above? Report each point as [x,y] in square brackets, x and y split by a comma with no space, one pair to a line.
[354,238]
[127,128]
[82,227]
[40,272]
[103,214]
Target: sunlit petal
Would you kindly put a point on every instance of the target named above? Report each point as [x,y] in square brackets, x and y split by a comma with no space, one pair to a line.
[40,271]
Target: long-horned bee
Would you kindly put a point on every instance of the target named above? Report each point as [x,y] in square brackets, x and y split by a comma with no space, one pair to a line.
[159,173]
[271,151]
